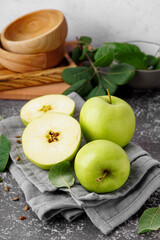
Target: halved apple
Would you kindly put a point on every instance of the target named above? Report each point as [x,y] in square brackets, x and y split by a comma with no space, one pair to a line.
[47,103]
[51,138]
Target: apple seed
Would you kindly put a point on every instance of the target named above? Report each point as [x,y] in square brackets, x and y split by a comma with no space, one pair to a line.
[56,134]
[6,188]
[52,136]
[55,139]
[22,218]
[26,208]
[46,108]
[15,199]
[18,136]
[51,133]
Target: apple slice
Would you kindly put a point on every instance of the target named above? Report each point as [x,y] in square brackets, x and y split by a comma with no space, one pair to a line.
[47,103]
[51,138]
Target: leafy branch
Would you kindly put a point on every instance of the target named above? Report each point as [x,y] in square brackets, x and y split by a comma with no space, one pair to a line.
[107,67]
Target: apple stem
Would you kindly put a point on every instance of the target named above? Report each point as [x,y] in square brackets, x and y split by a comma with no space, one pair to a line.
[101,178]
[110,100]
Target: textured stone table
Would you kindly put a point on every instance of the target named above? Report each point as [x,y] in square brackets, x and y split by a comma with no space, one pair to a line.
[146,106]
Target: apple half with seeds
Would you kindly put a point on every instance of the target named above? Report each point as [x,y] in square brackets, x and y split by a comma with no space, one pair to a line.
[51,138]
[44,104]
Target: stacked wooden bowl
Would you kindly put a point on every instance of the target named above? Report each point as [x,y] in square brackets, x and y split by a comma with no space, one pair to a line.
[34,41]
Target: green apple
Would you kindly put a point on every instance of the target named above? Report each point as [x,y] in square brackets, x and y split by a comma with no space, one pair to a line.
[104,118]
[102,166]
[51,138]
[47,103]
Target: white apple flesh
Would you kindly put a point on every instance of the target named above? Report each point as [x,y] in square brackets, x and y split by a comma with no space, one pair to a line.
[102,166]
[47,103]
[51,138]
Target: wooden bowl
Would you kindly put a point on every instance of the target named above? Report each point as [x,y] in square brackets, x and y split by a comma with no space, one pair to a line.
[36,32]
[30,62]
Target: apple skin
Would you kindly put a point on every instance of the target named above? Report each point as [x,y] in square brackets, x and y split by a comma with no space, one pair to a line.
[101,120]
[96,157]
[35,144]
[48,166]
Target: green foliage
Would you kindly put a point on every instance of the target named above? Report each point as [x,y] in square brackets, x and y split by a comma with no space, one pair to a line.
[120,74]
[60,175]
[84,40]
[130,54]
[76,54]
[97,91]
[104,57]
[1,117]
[157,66]
[4,152]
[1,180]
[151,61]
[82,88]
[150,220]
[72,75]
[120,61]
[84,51]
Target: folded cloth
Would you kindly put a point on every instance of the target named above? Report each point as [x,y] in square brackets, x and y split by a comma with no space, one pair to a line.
[106,211]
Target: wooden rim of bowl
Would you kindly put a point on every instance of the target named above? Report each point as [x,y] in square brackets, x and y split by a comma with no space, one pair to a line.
[36,32]
[29,14]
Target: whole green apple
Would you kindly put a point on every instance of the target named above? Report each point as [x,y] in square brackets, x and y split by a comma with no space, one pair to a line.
[102,166]
[104,118]
[51,138]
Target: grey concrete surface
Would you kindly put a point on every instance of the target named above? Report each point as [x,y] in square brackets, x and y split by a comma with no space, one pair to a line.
[146,106]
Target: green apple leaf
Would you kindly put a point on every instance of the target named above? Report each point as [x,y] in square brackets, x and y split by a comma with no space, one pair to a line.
[130,54]
[91,54]
[1,179]
[111,86]
[151,61]
[150,220]
[97,91]
[61,175]
[104,57]
[120,74]
[84,40]
[76,53]
[73,75]
[4,152]
[1,117]
[82,87]
[157,66]
[85,49]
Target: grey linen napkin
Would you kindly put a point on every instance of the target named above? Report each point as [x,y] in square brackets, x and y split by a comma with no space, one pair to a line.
[106,211]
